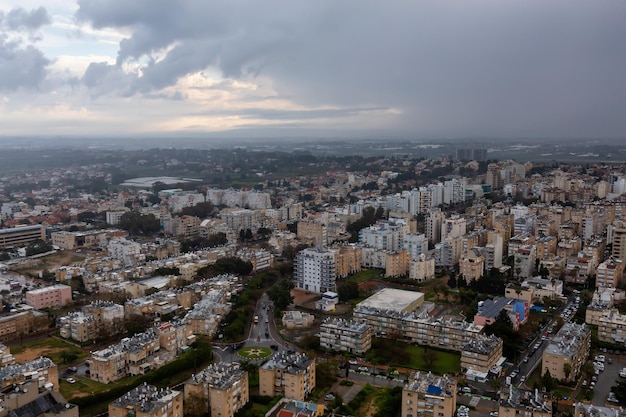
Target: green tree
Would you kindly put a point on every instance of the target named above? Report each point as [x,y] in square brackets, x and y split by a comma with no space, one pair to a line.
[348,290]
[280,294]
[137,224]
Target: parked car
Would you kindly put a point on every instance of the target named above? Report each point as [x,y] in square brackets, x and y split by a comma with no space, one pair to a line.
[72,369]
[466,389]
[71,380]
[363,369]
[353,362]
[494,414]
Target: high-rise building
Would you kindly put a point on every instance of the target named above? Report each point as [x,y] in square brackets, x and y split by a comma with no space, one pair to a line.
[223,388]
[314,270]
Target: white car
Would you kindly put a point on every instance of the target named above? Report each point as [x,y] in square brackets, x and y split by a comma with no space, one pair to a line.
[599,358]
[353,362]
[71,380]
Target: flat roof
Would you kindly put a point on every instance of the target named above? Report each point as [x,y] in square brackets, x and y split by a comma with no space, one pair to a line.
[392,299]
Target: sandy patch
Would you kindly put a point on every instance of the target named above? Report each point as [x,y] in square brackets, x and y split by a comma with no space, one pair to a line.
[30,354]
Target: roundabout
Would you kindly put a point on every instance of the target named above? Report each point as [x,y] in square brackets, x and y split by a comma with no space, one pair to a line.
[254,352]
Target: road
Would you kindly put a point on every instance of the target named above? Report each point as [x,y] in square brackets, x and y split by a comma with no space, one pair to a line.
[263,333]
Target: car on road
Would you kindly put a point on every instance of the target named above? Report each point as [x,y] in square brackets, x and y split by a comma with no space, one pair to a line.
[274,347]
[523,378]
[71,380]
[526,359]
[329,397]
[622,373]
[494,414]
[363,369]
[72,369]
[466,390]
[612,398]
[353,362]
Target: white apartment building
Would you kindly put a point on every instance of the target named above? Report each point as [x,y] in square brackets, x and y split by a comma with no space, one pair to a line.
[314,270]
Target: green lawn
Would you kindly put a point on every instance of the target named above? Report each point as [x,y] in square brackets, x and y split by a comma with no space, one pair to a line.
[83,386]
[365,275]
[254,352]
[398,354]
[444,363]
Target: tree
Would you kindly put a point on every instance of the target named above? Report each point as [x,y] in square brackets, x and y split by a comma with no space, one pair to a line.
[547,381]
[280,294]
[137,224]
[348,290]
[544,272]
[567,369]
[452,283]
[430,357]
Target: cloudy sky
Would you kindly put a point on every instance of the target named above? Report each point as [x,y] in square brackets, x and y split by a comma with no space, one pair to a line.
[444,68]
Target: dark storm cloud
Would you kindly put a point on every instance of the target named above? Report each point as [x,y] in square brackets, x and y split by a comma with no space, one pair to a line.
[20,19]
[531,67]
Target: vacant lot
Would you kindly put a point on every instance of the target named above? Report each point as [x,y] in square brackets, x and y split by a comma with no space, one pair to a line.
[61,352]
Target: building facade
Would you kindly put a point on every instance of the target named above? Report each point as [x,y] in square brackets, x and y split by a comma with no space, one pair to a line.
[345,336]
[148,401]
[223,388]
[427,394]
[289,375]
[567,352]
[314,270]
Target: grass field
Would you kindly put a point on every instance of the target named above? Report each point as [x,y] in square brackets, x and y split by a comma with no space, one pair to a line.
[61,352]
[82,387]
[398,354]
[254,352]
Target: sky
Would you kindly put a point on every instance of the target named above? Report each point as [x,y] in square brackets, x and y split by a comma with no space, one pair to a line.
[413,69]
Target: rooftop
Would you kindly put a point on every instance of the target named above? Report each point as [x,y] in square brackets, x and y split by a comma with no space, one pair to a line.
[293,363]
[429,383]
[146,397]
[218,375]
[392,299]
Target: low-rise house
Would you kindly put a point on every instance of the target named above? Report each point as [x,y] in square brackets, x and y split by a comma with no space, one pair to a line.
[520,402]
[297,319]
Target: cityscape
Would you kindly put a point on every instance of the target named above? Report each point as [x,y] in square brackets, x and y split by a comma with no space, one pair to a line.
[233,282]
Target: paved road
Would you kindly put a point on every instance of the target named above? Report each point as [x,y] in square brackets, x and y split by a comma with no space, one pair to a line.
[608,378]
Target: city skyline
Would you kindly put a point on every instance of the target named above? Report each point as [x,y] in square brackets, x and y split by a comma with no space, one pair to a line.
[350,69]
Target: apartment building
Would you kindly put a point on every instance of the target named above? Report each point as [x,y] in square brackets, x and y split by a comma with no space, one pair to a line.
[78,240]
[397,263]
[289,375]
[551,288]
[139,354]
[422,268]
[57,295]
[28,399]
[148,401]
[472,265]
[348,260]
[42,370]
[314,270]
[126,251]
[524,261]
[12,325]
[345,335]
[428,394]
[566,352]
[312,232]
[222,386]
[78,326]
[521,402]
[18,236]
[297,319]
[609,273]
[481,354]
[207,313]
[392,314]
[612,327]
[243,219]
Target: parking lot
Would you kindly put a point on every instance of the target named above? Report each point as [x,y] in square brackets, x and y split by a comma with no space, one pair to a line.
[608,378]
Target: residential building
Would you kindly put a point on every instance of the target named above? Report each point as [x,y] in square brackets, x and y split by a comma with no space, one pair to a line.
[289,375]
[114,217]
[434,221]
[42,370]
[397,263]
[428,394]
[612,327]
[127,251]
[29,400]
[609,273]
[345,336]
[521,402]
[472,265]
[21,323]
[551,288]
[57,295]
[591,410]
[313,232]
[297,319]
[148,401]
[223,387]
[480,355]
[422,268]
[566,352]
[524,261]
[18,236]
[315,270]
[617,236]
[415,244]
[79,240]
[348,260]
[243,219]
[78,326]
[454,226]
